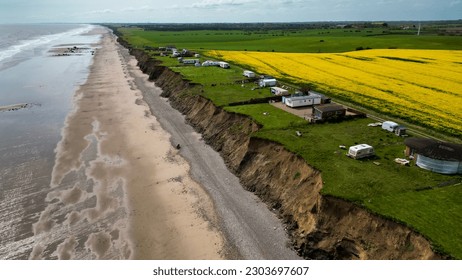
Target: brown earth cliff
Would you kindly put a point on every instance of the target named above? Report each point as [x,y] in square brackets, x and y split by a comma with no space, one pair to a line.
[321,227]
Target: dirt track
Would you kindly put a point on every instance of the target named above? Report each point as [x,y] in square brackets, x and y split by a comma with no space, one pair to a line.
[252,230]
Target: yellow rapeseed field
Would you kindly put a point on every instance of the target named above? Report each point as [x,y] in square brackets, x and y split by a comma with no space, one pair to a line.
[421,86]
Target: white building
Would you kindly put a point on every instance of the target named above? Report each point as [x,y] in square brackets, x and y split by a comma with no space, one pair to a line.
[303,100]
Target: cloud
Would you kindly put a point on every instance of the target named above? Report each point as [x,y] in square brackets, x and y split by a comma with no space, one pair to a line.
[98,12]
[216,4]
[117,11]
[137,9]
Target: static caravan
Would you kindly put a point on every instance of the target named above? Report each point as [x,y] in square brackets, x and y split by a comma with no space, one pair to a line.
[300,101]
[190,61]
[249,74]
[223,64]
[360,151]
[389,126]
[279,91]
[210,63]
[267,82]
[175,54]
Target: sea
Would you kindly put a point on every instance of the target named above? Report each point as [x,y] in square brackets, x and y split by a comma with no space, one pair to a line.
[40,70]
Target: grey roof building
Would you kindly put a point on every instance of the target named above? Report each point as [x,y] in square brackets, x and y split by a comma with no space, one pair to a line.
[436,156]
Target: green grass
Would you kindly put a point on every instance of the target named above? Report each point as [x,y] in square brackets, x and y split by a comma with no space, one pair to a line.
[437,213]
[388,189]
[308,40]
[222,86]
[410,195]
[271,117]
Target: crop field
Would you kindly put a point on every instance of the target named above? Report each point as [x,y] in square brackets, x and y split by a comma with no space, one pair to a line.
[420,86]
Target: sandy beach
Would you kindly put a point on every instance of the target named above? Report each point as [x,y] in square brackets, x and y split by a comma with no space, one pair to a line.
[117,171]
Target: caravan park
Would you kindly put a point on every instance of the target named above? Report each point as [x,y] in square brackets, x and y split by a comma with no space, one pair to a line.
[362,93]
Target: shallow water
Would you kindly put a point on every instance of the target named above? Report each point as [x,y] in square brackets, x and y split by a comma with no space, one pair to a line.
[30,74]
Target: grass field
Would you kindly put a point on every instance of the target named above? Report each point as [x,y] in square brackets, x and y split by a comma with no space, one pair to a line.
[408,194]
[216,79]
[428,202]
[300,41]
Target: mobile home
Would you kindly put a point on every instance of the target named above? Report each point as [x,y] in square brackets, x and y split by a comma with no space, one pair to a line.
[267,82]
[223,64]
[190,61]
[304,100]
[279,91]
[249,74]
[175,54]
[210,63]
[360,151]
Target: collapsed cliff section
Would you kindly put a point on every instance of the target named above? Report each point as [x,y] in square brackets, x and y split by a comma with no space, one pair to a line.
[321,227]
[347,231]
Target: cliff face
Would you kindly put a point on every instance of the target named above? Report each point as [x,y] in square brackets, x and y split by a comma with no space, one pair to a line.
[320,227]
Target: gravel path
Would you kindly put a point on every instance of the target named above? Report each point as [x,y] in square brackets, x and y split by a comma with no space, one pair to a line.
[251,229]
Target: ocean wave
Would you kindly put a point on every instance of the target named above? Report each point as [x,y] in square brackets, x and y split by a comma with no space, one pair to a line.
[32,43]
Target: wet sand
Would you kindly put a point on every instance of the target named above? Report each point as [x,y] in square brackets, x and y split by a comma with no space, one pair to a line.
[119,190]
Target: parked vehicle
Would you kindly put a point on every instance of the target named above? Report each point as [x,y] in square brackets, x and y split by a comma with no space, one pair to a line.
[223,64]
[279,91]
[389,126]
[249,74]
[360,151]
[267,82]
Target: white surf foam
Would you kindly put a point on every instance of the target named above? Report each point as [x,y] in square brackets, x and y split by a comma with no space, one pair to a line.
[32,43]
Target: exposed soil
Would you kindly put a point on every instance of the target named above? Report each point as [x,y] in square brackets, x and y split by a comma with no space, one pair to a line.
[321,227]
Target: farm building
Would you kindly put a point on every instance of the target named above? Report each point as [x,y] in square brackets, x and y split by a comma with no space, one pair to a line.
[436,156]
[267,82]
[279,91]
[360,151]
[302,100]
[328,111]
[249,74]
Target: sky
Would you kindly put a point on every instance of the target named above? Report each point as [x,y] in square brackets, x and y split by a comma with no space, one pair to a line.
[202,11]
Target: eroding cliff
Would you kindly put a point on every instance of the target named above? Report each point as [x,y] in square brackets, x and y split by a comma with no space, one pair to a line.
[321,227]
